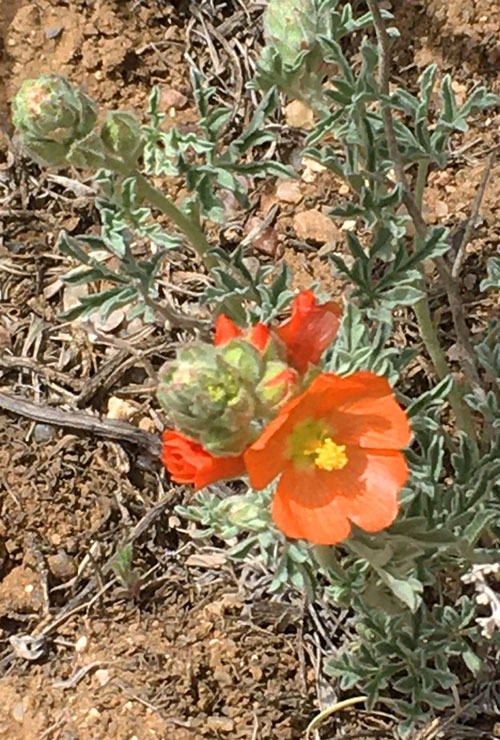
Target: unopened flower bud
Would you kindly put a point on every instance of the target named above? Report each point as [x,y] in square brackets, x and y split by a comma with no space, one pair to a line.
[244,358]
[278,385]
[121,133]
[293,57]
[292,26]
[51,115]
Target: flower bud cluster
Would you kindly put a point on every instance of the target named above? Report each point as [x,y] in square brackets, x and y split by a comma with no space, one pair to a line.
[56,122]
[222,396]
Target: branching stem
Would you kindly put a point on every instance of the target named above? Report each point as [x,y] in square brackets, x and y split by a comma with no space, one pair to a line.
[422,310]
[192,231]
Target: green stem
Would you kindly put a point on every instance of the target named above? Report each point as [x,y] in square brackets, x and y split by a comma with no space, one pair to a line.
[193,231]
[428,331]
[433,346]
[422,311]
[423,169]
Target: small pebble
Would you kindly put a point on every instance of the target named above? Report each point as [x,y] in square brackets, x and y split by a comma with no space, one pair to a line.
[81,644]
[102,676]
[61,566]
[18,712]
[52,32]
[43,433]
[470,280]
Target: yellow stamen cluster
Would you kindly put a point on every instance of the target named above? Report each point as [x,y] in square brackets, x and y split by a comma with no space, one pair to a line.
[216,392]
[330,456]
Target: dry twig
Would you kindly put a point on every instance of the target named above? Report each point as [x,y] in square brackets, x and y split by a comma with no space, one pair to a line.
[459,259]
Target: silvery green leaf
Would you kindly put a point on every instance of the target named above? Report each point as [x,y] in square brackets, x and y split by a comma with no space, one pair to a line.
[427,82]
[435,395]
[402,295]
[472,661]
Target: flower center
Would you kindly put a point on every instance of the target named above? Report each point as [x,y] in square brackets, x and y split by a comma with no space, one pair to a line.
[330,456]
[311,443]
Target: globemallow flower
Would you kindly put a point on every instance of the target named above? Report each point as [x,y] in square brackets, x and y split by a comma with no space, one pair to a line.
[308,332]
[337,451]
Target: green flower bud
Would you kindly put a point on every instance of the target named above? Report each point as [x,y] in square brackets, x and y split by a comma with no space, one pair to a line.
[293,57]
[278,385]
[51,115]
[121,134]
[293,26]
[222,396]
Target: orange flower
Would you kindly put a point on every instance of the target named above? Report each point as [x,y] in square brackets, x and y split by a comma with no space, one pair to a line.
[310,329]
[307,333]
[337,449]
[188,462]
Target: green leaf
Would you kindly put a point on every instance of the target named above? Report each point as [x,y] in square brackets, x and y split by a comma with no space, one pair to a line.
[436,395]
[268,104]
[406,591]
[403,295]
[427,82]
[473,663]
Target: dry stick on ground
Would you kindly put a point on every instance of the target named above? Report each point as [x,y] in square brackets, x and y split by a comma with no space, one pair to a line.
[421,308]
[109,429]
[459,259]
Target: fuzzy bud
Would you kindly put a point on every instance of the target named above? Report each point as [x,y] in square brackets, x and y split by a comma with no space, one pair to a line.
[292,26]
[121,134]
[208,394]
[51,115]
[292,58]
[222,396]
[278,385]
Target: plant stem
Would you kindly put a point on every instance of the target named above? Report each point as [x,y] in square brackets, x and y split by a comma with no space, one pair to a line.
[471,223]
[192,230]
[433,346]
[171,316]
[423,169]
[429,335]
[422,310]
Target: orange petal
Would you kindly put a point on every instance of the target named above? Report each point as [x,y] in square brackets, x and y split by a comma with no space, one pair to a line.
[266,458]
[219,468]
[304,508]
[259,336]
[310,329]
[188,462]
[316,505]
[380,475]
[362,410]
[225,330]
